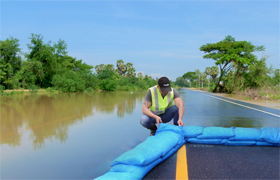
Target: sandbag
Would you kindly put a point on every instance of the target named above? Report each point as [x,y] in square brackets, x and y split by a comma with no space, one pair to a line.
[204,141]
[216,133]
[150,150]
[118,175]
[170,128]
[271,135]
[136,163]
[246,134]
[192,131]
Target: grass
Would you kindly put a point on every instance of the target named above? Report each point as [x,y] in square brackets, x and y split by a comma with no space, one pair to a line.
[27,91]
[265,93]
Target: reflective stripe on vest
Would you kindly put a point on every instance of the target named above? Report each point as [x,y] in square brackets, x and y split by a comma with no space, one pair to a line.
[157,108]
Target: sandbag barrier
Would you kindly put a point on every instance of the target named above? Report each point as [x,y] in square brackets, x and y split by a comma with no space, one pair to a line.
[137,162]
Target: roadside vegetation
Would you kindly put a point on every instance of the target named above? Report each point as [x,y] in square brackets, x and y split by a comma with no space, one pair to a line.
[236,71]
[47,67]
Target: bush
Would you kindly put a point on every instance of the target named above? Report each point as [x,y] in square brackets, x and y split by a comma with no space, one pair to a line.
[89,89]
[2,88]
[124,88]
[33,88]
[108,85]
[69,82]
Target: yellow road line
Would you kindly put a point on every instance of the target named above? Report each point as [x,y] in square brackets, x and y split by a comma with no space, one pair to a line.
[242,105]
[181,166]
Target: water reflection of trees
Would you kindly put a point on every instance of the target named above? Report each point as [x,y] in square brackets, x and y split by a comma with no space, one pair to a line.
[48,117]
[123,102]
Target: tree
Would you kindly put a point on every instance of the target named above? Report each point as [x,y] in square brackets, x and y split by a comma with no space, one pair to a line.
[60,48]
[181,82]
[257,75]
[214,71]
[230,51]
[30,72]
[276,77]
[130,70]
[207,71]
[10,60]
[140,75]
[191,76]
[121,67]
[110,67]
[99,67]
[44,53]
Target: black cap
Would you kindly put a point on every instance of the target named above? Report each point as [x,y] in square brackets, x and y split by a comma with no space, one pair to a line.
[164,84]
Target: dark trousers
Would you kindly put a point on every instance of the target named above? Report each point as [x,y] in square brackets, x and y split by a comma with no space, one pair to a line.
[172,112]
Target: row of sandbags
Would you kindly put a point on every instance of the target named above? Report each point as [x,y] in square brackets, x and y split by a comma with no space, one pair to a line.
[238,136]
[137,162]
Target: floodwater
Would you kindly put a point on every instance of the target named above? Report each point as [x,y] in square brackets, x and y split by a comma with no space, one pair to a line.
[67,136]
[78,135]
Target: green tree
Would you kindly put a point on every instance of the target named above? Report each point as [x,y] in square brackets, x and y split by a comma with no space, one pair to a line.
[230,51]
[207,71]
[30,72]
[214,72]
[10,60]
[110,67]
[121,67]
[181,82]
[190,76]
[65,63]
[130,70]
[69,81]
[276,77]
[45,54]
[99,67]
[140,75]
[257,75]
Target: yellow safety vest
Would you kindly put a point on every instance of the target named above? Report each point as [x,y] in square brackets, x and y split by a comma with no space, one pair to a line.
[160,104]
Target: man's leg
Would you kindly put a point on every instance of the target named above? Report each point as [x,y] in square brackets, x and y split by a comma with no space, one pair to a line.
[172,112]
[149,123]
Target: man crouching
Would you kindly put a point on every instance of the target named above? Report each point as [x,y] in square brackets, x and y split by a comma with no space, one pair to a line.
[159,99]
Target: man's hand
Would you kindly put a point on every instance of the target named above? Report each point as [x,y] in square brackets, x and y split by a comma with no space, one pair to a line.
[158,120]
[180,122]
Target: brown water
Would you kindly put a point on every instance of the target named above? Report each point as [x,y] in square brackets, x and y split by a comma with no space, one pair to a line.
[50,116]
[70,135]
[78,135]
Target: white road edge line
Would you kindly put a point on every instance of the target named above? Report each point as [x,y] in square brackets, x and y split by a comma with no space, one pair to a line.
[243,105]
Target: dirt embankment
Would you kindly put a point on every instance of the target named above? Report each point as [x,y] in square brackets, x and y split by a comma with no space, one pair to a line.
[248,97]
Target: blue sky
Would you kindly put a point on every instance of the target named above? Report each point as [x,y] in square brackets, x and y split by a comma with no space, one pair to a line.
[160,38]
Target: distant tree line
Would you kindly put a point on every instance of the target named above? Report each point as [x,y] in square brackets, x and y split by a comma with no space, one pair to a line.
[236,68]
[48,65]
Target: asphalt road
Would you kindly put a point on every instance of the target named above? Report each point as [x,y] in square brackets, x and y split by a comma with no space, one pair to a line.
[224,162]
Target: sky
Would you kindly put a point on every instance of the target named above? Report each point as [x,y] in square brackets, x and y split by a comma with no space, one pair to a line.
[160,38]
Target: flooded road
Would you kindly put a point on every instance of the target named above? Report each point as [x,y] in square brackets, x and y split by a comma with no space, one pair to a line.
[78,135]
[67,136]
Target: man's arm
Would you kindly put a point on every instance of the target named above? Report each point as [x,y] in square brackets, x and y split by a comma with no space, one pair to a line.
[180,105]
[146,111]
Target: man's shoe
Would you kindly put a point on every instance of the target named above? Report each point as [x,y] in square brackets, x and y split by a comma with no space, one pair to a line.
[153,130]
